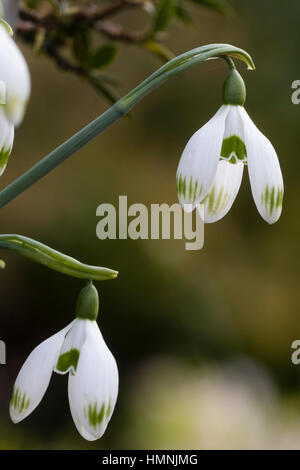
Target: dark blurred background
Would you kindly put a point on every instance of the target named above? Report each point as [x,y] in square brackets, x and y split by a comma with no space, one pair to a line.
[202,339]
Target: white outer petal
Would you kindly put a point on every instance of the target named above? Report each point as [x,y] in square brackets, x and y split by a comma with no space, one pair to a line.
[34,376]
[6,139]
[15,74]
[200,159]
[264,172]
[95,382]
[223,193]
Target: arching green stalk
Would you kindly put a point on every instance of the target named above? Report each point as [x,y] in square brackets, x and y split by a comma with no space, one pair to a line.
[172,68]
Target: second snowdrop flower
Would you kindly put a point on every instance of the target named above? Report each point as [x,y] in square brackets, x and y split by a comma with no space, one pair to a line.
[79,350]
[14,82]
[15,75]
[211,167]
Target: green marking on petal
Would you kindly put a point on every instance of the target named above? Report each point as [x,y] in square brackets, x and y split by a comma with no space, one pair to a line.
[184,186]
[225,200]
[108,410]
[187,187]
[266,197]
[19,402]
[4,156]
[22,406]
[178,184]
[191,188]
[95,418]
[279,198]
[195,191]
[211,199]
[67,360]
[234,149]
[219,198]
[272,198]
[217,202]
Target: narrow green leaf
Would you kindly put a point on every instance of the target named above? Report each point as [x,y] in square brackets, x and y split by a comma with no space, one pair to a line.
[53,259]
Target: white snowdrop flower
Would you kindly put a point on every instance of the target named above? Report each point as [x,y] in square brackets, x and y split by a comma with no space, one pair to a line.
[211,167]
[15,74]
[79,350]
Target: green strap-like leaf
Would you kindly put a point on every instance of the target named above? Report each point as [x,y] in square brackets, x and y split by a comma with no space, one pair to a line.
[53,259]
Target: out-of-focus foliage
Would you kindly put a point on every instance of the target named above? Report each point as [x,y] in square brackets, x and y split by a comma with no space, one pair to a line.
[83,37]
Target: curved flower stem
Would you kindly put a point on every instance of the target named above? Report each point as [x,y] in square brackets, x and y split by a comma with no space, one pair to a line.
[53,259]
[174,67]
[229,62]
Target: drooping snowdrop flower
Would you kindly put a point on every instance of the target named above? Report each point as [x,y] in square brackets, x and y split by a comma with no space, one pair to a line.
[79,350]
[211,167]
[14,82]
[15,75]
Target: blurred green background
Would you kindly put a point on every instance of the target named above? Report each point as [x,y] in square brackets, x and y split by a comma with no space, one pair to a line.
[202,339]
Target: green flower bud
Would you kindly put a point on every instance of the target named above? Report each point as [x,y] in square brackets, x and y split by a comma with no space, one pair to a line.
[87,306]
[234,90]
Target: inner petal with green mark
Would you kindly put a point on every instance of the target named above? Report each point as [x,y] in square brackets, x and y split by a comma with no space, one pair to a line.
[234,149]
[272,198]
[19,401]
[68,361]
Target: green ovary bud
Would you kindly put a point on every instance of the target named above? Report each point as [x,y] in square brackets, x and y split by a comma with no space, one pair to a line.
[87,306]
[234,90]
